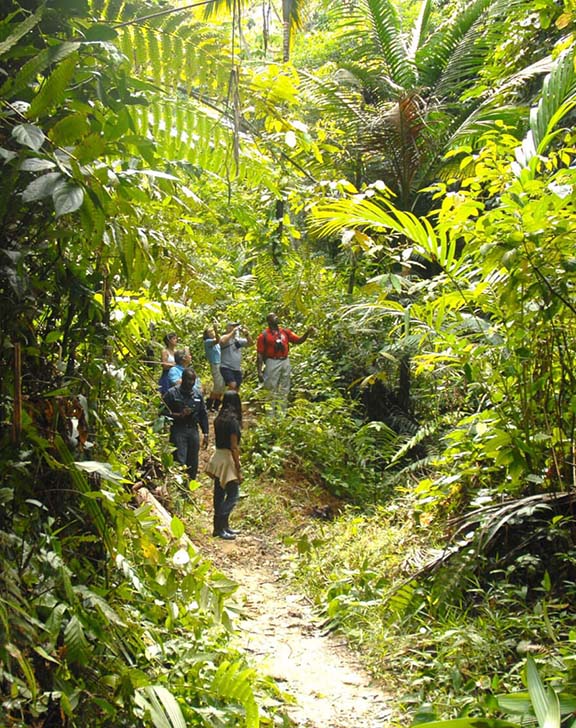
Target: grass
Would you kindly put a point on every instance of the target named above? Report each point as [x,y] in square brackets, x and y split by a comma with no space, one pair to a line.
[447,641]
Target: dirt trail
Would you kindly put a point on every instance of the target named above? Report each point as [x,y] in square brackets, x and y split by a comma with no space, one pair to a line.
[286,639]
[287,642]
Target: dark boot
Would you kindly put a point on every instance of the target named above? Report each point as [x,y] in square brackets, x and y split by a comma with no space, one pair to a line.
[220,531]
[227,528]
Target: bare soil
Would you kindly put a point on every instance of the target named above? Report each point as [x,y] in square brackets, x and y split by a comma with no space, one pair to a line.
[281,630]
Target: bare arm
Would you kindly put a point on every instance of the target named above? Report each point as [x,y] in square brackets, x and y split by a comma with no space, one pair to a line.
[260,361]
[235,450]
[227,338]
[309,332]
[165,363]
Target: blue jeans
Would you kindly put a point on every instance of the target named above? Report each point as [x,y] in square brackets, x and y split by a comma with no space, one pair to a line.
[187,442]
[225,498]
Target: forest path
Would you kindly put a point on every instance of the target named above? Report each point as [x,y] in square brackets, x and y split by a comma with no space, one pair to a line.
[279,628]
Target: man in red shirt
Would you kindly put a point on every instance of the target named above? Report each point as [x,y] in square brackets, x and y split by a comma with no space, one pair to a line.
[273,362]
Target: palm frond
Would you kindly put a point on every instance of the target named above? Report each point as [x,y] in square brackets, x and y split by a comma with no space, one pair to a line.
[420,28]
[385,24]
[442,55]
[463,50]
[373,31]
[558,97]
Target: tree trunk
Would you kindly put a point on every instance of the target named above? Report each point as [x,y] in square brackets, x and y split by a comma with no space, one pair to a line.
[286,29]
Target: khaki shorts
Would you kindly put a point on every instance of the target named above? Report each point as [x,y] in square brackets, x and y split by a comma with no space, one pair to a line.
[218,385]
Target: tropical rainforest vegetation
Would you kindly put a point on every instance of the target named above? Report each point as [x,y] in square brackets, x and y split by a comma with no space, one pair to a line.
[399,173]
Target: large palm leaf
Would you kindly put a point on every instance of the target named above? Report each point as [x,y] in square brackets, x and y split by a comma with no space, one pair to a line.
[397,140]
[450,53]
[189,71]
[372,34]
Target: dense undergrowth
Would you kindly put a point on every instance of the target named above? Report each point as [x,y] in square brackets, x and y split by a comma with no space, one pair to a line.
[438,397]
[448,640]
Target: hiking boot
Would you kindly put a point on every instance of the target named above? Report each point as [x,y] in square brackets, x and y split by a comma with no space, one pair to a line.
[220,529]
[226,526]
[226,535]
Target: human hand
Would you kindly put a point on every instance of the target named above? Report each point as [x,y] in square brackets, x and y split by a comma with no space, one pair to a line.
[205,442]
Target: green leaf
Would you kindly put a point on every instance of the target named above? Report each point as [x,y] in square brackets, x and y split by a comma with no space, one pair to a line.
[52,336]
[35,164]
[53,90]
[235,684]
[90,148]
[538,694]
[177,527]
[95,600]
[21,30]
[6,495]
[42,187]
[26,668]
[552,718]
[69,129]
[36,65]
[42,652]
[7,155]
[67,198]
[100,32]
[29,136]
[77,647]
[104,470]
[161,705]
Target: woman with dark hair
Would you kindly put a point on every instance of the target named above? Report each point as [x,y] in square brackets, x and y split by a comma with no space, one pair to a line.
[170,341]
[212,351]
[224,466]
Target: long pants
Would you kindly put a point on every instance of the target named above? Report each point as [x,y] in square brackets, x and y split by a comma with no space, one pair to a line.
[277,382]
[187,442]
[224,501]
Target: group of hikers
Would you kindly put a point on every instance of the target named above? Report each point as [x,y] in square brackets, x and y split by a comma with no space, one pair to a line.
[181,391]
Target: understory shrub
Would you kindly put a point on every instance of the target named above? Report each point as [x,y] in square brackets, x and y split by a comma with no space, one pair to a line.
[329,444]
[448,633]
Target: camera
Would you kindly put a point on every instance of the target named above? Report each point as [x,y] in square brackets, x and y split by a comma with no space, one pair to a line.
[278,345]
[236,323]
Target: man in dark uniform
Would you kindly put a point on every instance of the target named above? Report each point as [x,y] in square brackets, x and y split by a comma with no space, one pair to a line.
[187,410]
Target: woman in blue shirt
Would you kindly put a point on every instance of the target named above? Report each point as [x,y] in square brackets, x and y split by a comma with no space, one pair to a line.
[212,351]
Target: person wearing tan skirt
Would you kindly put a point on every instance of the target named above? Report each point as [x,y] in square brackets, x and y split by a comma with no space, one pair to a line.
[224,466]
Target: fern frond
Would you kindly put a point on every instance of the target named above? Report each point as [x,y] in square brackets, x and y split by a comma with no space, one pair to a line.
[416,439]
[232,683]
